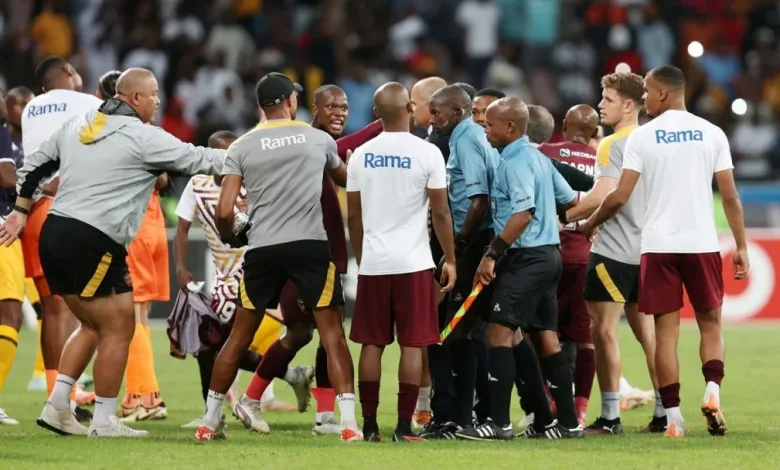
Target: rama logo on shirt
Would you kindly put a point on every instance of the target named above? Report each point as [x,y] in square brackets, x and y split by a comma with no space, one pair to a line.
[33,110]
[676,137]
[386,161]
[272,143]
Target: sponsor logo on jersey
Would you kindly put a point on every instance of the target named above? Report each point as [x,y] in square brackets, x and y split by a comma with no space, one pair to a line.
[272,143]
[386,161]
[567,153]
[675,137]
[587,169]
[33,110]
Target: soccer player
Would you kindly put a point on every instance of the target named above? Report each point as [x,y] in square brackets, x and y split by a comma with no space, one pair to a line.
[388,198]
[96,213]
[42,116]
[579,126]
[481,101]
[612,279]
[523,264]
[15,101]
[11,259]
[677,154]
[199,199]
[287,242]
[420,95]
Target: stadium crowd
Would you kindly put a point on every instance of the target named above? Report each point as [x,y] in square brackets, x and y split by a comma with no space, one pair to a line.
[507,211]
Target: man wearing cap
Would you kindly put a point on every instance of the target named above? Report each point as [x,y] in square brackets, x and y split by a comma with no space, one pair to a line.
[280,163]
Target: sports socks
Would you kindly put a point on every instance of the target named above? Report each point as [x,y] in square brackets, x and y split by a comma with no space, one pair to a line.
[214,402]
[713,376]
[501,364]
[104,409]
[346,402]
[610,405]
[584,373]
[140,378]
[464,367]
[557,369]
[274,364]
[670,397]
[9,338]
[323,393]
[528,374]
[60,395]
[423,399]
[407,398]
[658,412]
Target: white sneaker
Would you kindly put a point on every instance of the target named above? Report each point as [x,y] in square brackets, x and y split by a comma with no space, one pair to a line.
[330,427]
[526,422]
[198,422]
[5,419]
[60,421]
[635,397]
[115,429]
[301,384]
[248,412]
[37,383]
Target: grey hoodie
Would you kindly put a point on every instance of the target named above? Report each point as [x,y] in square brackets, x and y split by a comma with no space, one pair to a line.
[108,161]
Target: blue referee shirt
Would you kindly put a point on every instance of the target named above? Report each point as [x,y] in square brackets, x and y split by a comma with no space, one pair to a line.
[470,169]
[526,180]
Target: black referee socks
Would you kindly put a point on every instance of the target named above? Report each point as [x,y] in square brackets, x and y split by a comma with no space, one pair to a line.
[501,363]
[464,365]
[557,371]
[533,396]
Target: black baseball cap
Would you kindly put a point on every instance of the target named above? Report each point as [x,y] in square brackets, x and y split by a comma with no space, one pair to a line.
[274,88]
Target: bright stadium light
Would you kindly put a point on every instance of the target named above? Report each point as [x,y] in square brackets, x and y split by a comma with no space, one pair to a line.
[739,107]
[695,49]
[623,68]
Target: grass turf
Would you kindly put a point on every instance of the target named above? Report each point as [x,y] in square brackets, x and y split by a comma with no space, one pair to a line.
[751,384]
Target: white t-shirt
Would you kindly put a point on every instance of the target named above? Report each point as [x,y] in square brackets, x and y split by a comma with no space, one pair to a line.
[46,113]
[480,20]
[678,154]
[393,173]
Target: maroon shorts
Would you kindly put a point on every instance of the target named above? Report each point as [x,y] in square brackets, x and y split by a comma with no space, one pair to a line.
[404,301]
[573,317]
[663,275]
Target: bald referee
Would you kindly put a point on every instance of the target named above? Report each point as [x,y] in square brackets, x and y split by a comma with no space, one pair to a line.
[96,214]
[280,163]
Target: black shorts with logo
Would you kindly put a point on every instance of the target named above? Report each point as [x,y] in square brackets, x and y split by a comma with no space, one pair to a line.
[607,280]
[306,263]
[78,259]
[468,262]
[525,290]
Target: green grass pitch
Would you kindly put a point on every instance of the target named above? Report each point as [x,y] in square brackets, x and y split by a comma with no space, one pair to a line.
[750,389]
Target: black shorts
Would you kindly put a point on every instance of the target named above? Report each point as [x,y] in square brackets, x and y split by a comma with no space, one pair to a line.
[78,259]
[525,291]
[307,263]
[608,280]
[468,262]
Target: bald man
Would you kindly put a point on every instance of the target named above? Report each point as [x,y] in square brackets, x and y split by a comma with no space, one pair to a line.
[44,114]
[388,199]
[520,271]
[84,240]
[579,126]
[421,94]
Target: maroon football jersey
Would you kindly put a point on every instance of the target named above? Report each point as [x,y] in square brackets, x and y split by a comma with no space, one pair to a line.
[575,248]
[334,224]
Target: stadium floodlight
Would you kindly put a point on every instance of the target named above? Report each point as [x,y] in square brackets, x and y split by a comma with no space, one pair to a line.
[739,107]
[695,49]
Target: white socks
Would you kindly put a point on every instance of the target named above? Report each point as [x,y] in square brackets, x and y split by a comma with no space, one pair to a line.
[610,405]
[674,415]
[346,402]
[214,402]
[60,395]
[714,389]
[659,406]
[268,394]
[104,409]
[290,376]
[324,417]
[424,399]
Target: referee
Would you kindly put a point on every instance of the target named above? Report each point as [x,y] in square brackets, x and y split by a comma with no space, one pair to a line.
[108,159]
[526,190]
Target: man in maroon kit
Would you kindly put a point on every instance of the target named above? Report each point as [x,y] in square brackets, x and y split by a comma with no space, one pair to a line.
[579,127]
[330,112]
